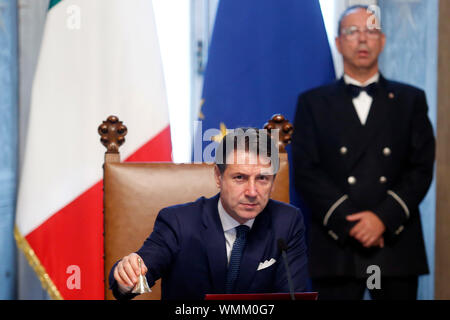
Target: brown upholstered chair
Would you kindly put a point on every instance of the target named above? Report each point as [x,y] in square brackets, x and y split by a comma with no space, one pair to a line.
[134,193]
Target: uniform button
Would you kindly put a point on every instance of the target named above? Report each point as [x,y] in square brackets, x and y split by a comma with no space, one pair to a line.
[400,229]
[383,179]
[351,180]
[343,150]
[386,151]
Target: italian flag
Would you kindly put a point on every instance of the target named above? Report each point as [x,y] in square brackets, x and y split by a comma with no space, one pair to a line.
[98,58]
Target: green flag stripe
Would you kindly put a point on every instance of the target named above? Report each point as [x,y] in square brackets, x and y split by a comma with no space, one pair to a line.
[53,3]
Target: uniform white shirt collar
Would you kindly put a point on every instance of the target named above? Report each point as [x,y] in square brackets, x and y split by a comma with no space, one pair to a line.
[350,80]
[228,222]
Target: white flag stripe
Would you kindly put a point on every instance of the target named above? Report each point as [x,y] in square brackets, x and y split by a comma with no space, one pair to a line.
[110,65]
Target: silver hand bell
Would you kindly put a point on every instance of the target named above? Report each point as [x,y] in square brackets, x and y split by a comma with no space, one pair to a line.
[142,284]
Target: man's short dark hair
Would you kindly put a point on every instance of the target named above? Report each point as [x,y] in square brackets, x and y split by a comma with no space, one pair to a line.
[348,11]
[254,140]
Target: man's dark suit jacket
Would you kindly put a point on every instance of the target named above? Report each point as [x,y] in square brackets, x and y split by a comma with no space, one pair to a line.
[187,250]
[342,167]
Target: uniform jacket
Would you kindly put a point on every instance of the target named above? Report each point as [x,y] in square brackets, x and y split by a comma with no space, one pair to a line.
[187,250]
[342,167]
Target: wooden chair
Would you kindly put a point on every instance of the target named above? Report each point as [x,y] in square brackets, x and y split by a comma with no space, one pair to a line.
[134,193]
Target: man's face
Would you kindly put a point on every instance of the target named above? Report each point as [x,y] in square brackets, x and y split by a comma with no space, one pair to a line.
[361,52]
[244,188]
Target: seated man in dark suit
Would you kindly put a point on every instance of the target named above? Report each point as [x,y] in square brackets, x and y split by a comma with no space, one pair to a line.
[228,243]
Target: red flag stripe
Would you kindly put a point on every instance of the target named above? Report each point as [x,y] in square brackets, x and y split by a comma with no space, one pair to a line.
[74,235]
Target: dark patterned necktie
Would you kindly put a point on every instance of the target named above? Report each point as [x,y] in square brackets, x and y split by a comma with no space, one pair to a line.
[356,90]
[235,258]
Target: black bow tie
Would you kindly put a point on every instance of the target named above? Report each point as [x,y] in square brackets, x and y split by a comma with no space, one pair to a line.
[356,90]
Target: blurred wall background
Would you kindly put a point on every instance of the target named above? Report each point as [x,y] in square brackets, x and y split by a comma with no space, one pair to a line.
[410,56]
[8,145]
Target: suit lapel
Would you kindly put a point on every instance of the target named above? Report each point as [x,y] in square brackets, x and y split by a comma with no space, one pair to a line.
[343,109]
[214,240]
[353,134]
[346,122]
[378,109]
[258,238]
[375,122]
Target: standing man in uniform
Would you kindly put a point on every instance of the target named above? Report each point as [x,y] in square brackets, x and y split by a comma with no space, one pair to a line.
[363,158]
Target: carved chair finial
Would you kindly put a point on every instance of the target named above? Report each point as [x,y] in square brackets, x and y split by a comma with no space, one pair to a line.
[112,134]
[286,129]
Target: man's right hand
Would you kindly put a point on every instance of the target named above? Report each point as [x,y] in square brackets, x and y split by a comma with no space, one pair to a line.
[127,272]
[368,230]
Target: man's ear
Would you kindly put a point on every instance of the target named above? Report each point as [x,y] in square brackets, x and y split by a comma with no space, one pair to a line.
[338,44]
[383,41]
[217,176]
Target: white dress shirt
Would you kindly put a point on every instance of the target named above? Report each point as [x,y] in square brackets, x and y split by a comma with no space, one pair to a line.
[229,227]
[362,102]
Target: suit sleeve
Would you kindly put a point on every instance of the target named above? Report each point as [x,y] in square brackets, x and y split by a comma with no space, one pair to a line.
[328,203]
[157,252]
[411,188]
[296,256]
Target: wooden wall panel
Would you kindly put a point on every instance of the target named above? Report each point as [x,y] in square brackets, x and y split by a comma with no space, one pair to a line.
[442,278]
